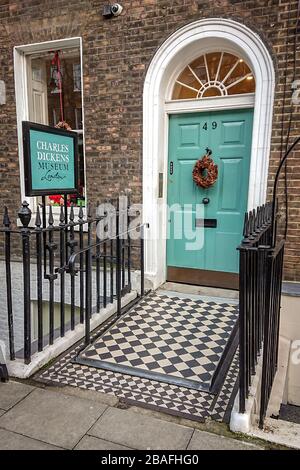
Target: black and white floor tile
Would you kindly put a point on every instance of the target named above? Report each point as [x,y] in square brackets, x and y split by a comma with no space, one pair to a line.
[162,396]
[179,341]
[223,404]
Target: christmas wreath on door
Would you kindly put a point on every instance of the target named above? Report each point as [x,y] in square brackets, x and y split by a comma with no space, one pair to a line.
[205,172]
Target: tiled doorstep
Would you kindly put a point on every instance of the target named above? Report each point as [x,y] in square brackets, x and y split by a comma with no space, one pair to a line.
[163,397]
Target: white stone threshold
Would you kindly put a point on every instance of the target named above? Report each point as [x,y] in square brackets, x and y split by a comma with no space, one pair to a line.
[275,430]
[279,432]
[20,370]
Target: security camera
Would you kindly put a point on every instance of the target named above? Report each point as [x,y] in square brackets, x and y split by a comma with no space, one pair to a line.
[116,9]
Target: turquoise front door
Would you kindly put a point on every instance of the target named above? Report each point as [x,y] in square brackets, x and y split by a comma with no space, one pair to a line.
[215,215]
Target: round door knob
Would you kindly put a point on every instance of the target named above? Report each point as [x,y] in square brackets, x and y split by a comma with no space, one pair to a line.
[205,200]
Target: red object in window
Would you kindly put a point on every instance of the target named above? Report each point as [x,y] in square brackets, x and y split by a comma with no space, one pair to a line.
[56,199]
[59,199]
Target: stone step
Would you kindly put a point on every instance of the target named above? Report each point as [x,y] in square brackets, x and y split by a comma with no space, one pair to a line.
[278,394]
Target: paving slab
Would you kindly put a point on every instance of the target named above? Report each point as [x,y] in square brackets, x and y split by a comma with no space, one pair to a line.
[202,440]
[55,418]
[12,441]
[12,392]
[93,443]
[91,395]
[138,431]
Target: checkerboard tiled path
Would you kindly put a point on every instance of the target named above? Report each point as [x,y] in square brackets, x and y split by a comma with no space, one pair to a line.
[178,400]
[169,339]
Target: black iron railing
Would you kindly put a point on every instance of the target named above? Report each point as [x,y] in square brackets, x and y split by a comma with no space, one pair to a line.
[253,255]
[274,267]
[259,306]
[260,277]
[120,268]
[59,273]
[3,372]
[3,367]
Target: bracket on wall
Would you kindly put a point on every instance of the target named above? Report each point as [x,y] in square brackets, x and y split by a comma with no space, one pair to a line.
[2,92]
[160,185]
[107,13]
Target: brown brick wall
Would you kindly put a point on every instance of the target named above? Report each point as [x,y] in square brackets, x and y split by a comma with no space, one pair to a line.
[117,53]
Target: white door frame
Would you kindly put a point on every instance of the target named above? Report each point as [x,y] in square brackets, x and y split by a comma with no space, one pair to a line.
[178,50]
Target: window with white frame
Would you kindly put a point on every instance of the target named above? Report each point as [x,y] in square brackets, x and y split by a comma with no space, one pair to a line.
[51,94]
[214,74]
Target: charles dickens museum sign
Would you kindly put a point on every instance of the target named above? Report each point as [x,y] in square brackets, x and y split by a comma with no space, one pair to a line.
[50,160]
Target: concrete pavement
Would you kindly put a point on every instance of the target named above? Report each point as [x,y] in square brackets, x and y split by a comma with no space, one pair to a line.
[63,418]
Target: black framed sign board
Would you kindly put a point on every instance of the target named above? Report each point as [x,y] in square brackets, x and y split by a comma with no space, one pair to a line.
[50,160]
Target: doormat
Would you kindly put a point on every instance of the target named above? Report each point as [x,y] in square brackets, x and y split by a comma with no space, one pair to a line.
[167,339]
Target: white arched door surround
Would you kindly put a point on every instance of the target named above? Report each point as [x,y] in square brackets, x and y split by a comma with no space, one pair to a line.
[176,52]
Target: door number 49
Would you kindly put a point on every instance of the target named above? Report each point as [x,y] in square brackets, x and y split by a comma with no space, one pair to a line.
[214,126]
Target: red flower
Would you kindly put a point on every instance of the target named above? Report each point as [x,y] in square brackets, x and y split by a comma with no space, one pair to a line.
[56,198]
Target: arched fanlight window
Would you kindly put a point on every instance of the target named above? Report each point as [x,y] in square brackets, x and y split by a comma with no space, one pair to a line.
[214,74]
